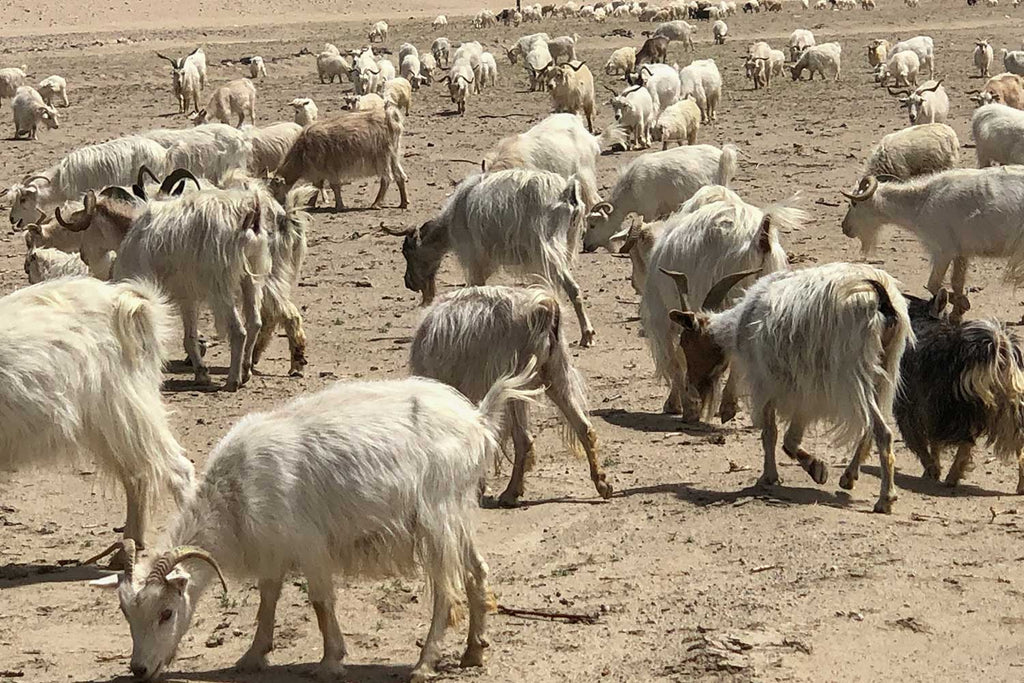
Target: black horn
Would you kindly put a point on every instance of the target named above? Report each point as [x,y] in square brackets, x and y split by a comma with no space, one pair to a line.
[177,174]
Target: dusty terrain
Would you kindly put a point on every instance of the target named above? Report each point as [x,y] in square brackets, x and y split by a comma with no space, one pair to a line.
[692,572]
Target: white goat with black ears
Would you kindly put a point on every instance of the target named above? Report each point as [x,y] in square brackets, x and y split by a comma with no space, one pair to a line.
[820,344]
[473,336]
[362,478]
[81,363]
[521,219]
[713,234]
[957,215]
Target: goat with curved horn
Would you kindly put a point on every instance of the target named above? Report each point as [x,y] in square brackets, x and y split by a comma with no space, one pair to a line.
[867,187]
[577,67]
[682,285]
[80,220]
[172,558]
[716,295]
[175,176]
[397,232]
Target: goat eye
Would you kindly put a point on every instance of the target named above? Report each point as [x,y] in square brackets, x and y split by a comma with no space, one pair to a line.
[165,616]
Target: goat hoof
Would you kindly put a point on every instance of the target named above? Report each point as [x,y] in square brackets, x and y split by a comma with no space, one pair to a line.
[950,482]
[931,472]
[250,662]
[231,386]
[767,480]
[508,500]
[587,340]
[884,505]
[330,670]
[473,656]
[847,481]
[604,489]
[727,413]
[818,471]
[295,373]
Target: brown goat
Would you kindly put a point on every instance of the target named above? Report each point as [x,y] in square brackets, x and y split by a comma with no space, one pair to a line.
[654,51]
[355,145]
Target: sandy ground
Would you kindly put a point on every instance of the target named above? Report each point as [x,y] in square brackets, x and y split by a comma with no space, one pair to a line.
[692,572]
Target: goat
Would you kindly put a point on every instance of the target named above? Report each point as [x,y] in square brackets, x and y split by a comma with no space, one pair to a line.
[927,104]
[957,215]
[677,123]
[378,32]
[961,382]
[305,110]
[902,66]
[257,67]
[440,22]
[997,131]
[677,30]
[878,52]
[330,66]
[776,336]
[714,232]
[469,338]
[460,80]
[914,151]
[522,219]
[188,78]
[983,57]
[635,112]
[29,111]
[702,80]
[270,145]
[355,145]
[653,51]
[563,47]
[12,78]
[398,91]
[46,263]
[824,59]
[82,370]
[656,184]
[236,99]
[924,46]
[53,87]
[662,81]
[719,31]
[1013,61]
[572,90]
[1004,88]
[367,477]
[622,61]
[212,150]
[440,49]
[800,40]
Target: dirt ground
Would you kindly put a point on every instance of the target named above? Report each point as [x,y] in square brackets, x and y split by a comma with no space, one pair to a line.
[691,572]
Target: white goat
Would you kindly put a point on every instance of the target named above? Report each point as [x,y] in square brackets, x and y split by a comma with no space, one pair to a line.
[662,81]
[997,130]
[212,150]
[703,81]
[428,65]
[903,67]
[678,123]
[622,61]
[563,47]
[471,337]
[713,234]
[270,145]
[679,31]
[411,70]
[824,59]
[914,151]
[46,263]
[924,46]
[440,22]
[799,40]
[331,65]
[116,162]
[460,81]
[188,78]
[635,112]
[29,111]
[928,104]
[54,89]
[82,368]
[983,57]
[572,90]
[257,67]
[777,335]
[522,219]
[441,49]
[1013,61]
[305,110]
[367,478]
[957,215]
[719,31]
[485,72]
[398,91]
[233,100]
[378,32]
[656,184]
[878,52]
[12,78]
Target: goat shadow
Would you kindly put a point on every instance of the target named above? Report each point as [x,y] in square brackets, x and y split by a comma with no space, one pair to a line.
[16,575]
[656,422]
[781,495]
[293,673]
[929,487]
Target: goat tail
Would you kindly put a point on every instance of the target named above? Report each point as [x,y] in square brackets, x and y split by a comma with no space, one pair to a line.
[611,136]
[727,165]
[505,389]
[141,322]
[997,379]
[896,333]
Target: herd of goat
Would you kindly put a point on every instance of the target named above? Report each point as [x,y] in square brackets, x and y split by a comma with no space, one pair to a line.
[124,236]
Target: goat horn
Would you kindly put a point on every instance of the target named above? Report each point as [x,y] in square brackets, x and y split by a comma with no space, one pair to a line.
[682,285]
[117,192]
[610,89]
[717,295]
[172,61]
[578,67]
[82,222]
[177,174]
[867,188]
[931,89]
[897,93]
[402,232]
[4,191]
[172,558]
[126,544]
[29,178]
[193,52]
[144,171]
[973,92]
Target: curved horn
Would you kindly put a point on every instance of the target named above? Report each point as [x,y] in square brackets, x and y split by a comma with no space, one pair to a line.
[60,219]
[118,193]
[172,558]
[931,89]
[174,62]
[867,188]
[682,285]
[29,178]
[897,93]
[576,68]
[602,208]
[126,544]
[973,92]
[717,295]
[610,89]
[193,52]
[177,174]
[372,71]
[402,232]
[144,171]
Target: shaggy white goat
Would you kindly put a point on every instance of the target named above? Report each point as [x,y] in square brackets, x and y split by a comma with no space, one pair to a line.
[233,100]
[270,145]
[678,123]
[29,111]
[188,78]
[572,90]
[305,110]
[54,89]
[703,81]
[914,151]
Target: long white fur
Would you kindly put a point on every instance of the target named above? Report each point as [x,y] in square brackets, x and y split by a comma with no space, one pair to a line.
[234,100]
[46,263]
[924,46]
[30,111]
[211,150]
[914,151]
[702,79]
[799,40]
[662,81]
[654,185]
[81,365]
[270,145]
[572,91]
[11,78]
[93,167]
[824,59]
[634,111]
[622,61]
[362,478]
[997,131]
[53,88]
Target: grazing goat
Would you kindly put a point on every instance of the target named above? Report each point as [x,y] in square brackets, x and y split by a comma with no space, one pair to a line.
[305,110]
[957,215]
[270,145]
[702,80]
[997,130]
[654,185]
[82,365]
[398,91]
[622,61]
[662,81]
[378,32]
[653,51]
[188,78]
[29,111]
[678,123]
[961,382]
[441,49]
[366,478]
[914,151]
[236,99]
[54,89]
[12,78]
[87,168]
[929,103]
[800,40]
[924,46]
[677,30]
[470,338]
[212,150]
[1004,88]
[719,31]
[878,52]
[824,59]
[331,65]
[440,22]
[348,146]
[572,90]
[983,57]
[713,234]
[902,66]
[527,220]
[559,144]
[777,335]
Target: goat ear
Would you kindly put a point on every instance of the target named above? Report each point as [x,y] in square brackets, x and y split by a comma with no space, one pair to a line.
[764,235]
[685,319]
[178,580]
[110,581]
